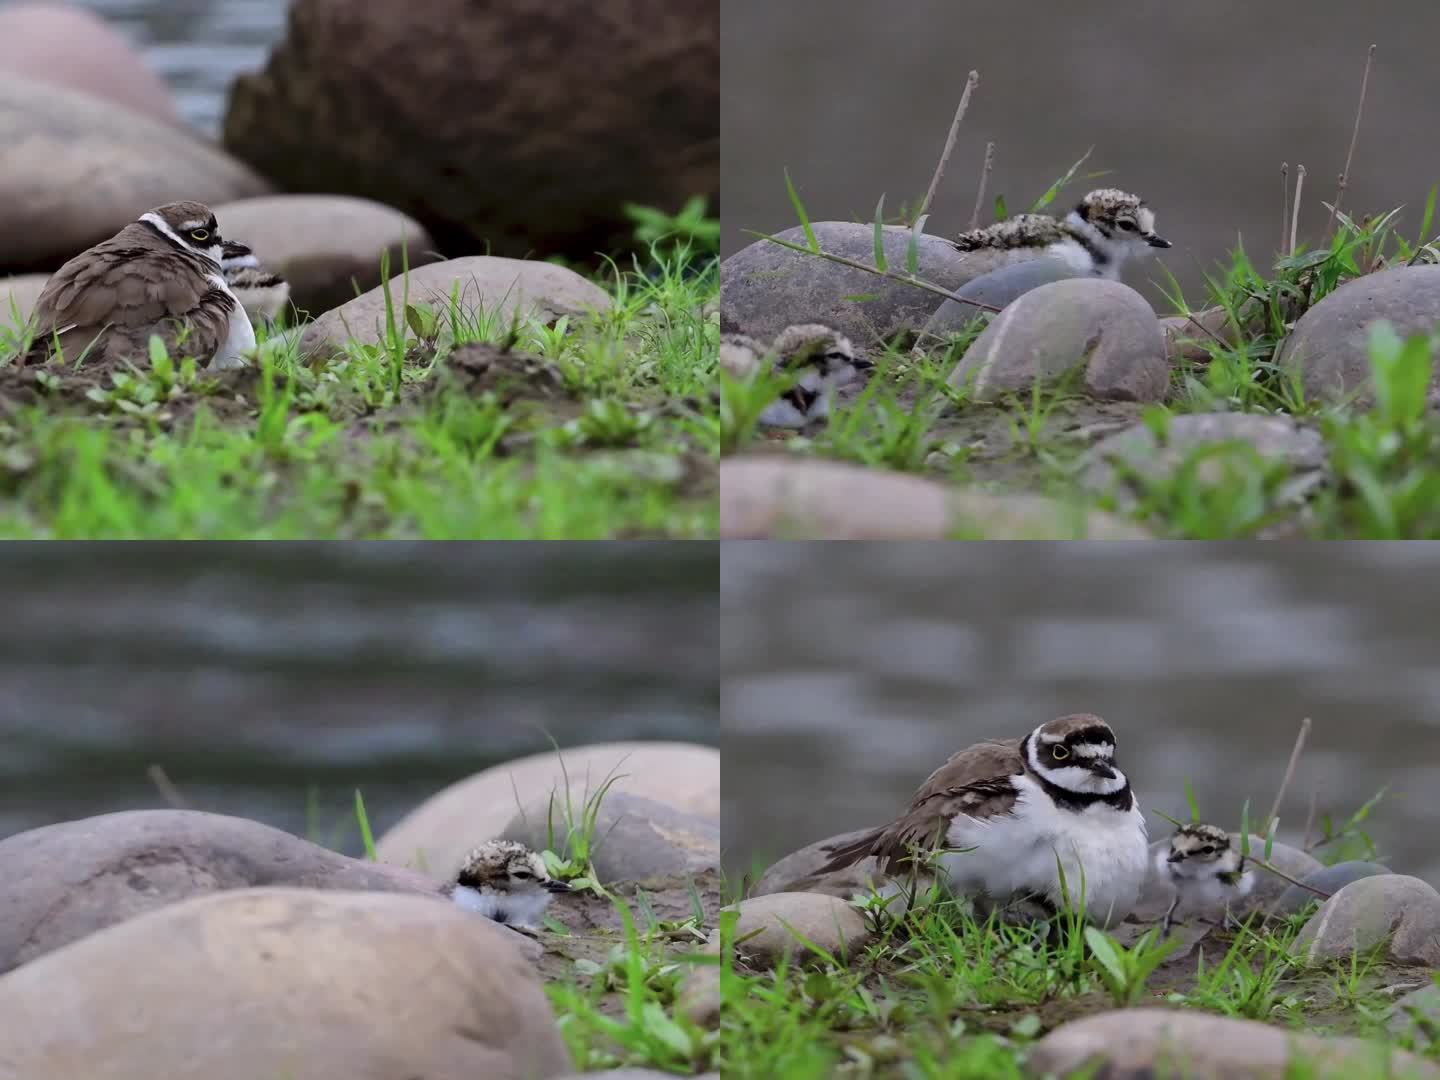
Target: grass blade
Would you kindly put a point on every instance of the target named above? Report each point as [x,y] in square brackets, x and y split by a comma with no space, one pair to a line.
[880,234]
[810,240]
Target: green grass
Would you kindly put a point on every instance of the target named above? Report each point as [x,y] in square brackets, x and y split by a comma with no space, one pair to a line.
[610,432]
[1384,461]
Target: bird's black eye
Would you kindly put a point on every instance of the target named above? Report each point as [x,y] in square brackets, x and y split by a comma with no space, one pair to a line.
[1060,753]
[1126,226]
[1207,849]
[200,234]
[522,875]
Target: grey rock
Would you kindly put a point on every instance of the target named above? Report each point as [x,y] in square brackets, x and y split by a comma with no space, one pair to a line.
[768,926]
[17,297]
[1249,439]
[284,983]
[635,838]
[1366,912]
[997,289]
[1146,1042]
[699,993]
[501,286]
[765,287]
[1102,333]
[812,499]
[1331,879]
[796,872]
[544,166]
[137,164]
[63,882]
[1418,1012]
[325,246]
[1329,346]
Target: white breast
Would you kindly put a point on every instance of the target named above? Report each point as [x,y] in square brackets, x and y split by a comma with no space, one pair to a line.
[1101,850]
[240,341]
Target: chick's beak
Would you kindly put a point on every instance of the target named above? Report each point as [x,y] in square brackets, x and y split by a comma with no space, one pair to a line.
[1174,856]
[557,886]
[1158,241]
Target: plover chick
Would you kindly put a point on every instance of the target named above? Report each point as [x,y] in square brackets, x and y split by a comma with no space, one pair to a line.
[1012,815]
[1206,871]
[261,292]
[1095,239]
[825,359]
[506,882]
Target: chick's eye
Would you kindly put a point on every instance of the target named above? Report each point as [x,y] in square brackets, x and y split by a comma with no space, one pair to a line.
[200,234]
[1127,226]
[523,875]
[1060,753]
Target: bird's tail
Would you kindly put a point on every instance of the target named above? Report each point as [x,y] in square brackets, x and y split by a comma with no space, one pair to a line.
[843,855]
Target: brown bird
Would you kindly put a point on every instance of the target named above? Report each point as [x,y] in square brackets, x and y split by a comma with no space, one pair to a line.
[158,275]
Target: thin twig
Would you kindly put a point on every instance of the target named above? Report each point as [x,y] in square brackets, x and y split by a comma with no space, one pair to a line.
[1295,210]
[1284,203]
[1289,770]
[1309,821]
[168,791]
[1354,136]
[1284,876]
[970,85]
[984,180]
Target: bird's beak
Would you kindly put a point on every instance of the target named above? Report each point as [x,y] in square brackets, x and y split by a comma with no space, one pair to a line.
[1158,241]
[234,249]
[1174,856]
[1102,769]
[557,886]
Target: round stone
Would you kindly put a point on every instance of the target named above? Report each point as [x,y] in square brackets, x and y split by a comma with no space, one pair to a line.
[518,128]
[498,287]
[632,838]
[1154,1042]
[997,289]
[325,246]
[1330,345]
[1101,333]
[60,883]
[1394,907]
[1330,879]
[779,924]
[284,982]
[70,47]
[132,163]
[765,287]
[17,297]
[1419,1009]
[436,835]
[800,498]
[1241,442]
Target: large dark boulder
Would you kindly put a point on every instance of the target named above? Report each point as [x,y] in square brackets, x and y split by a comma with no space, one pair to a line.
[517,128]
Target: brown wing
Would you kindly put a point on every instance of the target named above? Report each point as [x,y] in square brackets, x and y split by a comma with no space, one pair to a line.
[975,781]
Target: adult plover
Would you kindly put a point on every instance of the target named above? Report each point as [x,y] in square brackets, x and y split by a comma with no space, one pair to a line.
[158,275]
[261,292]
[506,882]
[1093,240]
[1001,819]
[1206,871]
[824,358]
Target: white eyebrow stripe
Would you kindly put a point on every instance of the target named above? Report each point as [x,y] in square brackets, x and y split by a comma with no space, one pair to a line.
[187,226]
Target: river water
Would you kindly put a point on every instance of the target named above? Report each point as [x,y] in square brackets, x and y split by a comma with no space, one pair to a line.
[272,680]
[852,670]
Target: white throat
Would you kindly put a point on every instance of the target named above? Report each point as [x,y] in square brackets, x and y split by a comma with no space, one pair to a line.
[513,907]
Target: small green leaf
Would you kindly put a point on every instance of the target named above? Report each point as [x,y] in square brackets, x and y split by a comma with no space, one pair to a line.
[1106,952]
[912,247]
[810,240]
[1192,802]
[1002,212]
[880,263]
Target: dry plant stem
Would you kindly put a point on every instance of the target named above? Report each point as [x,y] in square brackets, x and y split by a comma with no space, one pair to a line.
[905,279]
[168,791]
[960,110]
[1309,822]
[1354,137]
[984,181]
[1284,204]
[1289,771]
[1295,210]
[1286,877]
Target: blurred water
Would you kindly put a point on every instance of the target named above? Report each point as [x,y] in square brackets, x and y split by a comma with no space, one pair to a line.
[252,672]
[198,46]
[851,670]
[1194,106]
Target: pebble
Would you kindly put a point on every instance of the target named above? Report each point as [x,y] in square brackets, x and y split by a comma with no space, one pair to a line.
[499,286]
[1190,337]
[435,836]
[134,164]
[71,47]
[765,287]
[1366,912]
[62,882]
[280,982]
[17,297]
[1330,879]
[1130,1044]
[1105,328]
[765,496]
[767,927]
[325,246]
[699,995]
[1329,346]
[1419,1009]
[997,289]
[634,838]
[1273,438]
[516,128]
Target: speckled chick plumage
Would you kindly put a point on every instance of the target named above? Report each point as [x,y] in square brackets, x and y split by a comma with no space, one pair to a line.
[822,357]
[1206,872]
[506,882]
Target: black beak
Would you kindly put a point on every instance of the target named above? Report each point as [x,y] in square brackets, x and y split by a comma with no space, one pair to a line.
[557,886]
[1102,769]
[1158,241]
[234,249]
[1174,856]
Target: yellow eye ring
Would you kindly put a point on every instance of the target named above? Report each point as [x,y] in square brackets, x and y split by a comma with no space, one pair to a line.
[1060,753]
[200,234]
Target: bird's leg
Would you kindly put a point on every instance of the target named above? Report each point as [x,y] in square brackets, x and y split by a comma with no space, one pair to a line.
[1169,919]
